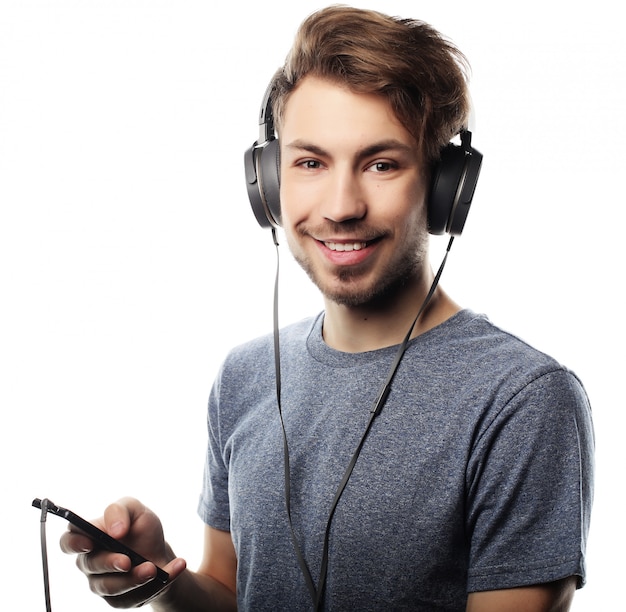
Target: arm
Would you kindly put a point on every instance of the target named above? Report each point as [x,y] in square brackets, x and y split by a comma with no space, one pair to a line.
[111,576]
[552,597]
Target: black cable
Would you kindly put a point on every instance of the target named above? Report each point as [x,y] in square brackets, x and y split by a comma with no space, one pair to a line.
[301,561]
[44,554]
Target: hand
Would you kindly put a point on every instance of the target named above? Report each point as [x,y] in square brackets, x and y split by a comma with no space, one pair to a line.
[110,575]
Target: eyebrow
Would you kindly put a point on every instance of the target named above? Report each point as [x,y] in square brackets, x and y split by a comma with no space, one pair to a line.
[372,149]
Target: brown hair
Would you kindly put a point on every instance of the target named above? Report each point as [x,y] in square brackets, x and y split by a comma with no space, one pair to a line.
[420,73]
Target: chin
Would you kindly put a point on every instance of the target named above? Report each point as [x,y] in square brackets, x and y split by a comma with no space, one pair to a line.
[376,296]
[376,289]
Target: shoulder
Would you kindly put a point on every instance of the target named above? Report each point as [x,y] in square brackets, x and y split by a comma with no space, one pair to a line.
[522,399]
[476,334]
[497,355]
[492,373]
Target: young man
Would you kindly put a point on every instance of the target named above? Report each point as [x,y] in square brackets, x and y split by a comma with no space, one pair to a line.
[465,484]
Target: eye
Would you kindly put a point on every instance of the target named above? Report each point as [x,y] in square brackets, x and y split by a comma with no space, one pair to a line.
[310,164]
[382,166]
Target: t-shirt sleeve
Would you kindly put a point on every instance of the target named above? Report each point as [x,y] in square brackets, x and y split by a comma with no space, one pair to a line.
[530,487]
[213,506]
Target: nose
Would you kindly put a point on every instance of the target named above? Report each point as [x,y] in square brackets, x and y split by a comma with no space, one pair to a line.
[344,199]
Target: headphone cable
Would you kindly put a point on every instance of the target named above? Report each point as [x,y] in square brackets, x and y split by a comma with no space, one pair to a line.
[317,593]
[44,554]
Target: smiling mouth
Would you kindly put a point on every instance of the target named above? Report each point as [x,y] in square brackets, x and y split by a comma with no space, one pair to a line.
[345,246]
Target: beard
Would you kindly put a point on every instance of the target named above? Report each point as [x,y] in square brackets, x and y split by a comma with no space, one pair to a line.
[347,287]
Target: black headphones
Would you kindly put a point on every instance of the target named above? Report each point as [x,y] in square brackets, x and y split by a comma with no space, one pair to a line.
[452,187]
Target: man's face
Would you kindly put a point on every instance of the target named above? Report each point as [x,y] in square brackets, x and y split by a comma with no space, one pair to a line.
[352,194]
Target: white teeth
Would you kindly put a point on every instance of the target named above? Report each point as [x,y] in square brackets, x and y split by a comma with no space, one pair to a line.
[343,246]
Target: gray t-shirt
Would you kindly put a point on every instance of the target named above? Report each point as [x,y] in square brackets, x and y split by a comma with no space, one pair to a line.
[477,474]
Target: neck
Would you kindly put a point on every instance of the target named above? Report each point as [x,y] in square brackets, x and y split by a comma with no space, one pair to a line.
[370,327]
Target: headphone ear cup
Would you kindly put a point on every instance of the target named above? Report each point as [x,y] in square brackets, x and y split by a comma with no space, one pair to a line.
[443,188]
[252,185]
[262,168]
[269,180]
[452,188]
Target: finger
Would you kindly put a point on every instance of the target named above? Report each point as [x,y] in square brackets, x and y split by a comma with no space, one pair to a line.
[140,580]
[103,562]
[74,543]
[175,568]
[119,516]
[117,583]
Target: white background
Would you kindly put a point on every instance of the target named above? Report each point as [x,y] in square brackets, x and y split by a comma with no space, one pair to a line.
[130,261]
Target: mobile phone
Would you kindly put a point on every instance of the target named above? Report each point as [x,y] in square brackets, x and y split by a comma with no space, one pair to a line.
[100,537]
